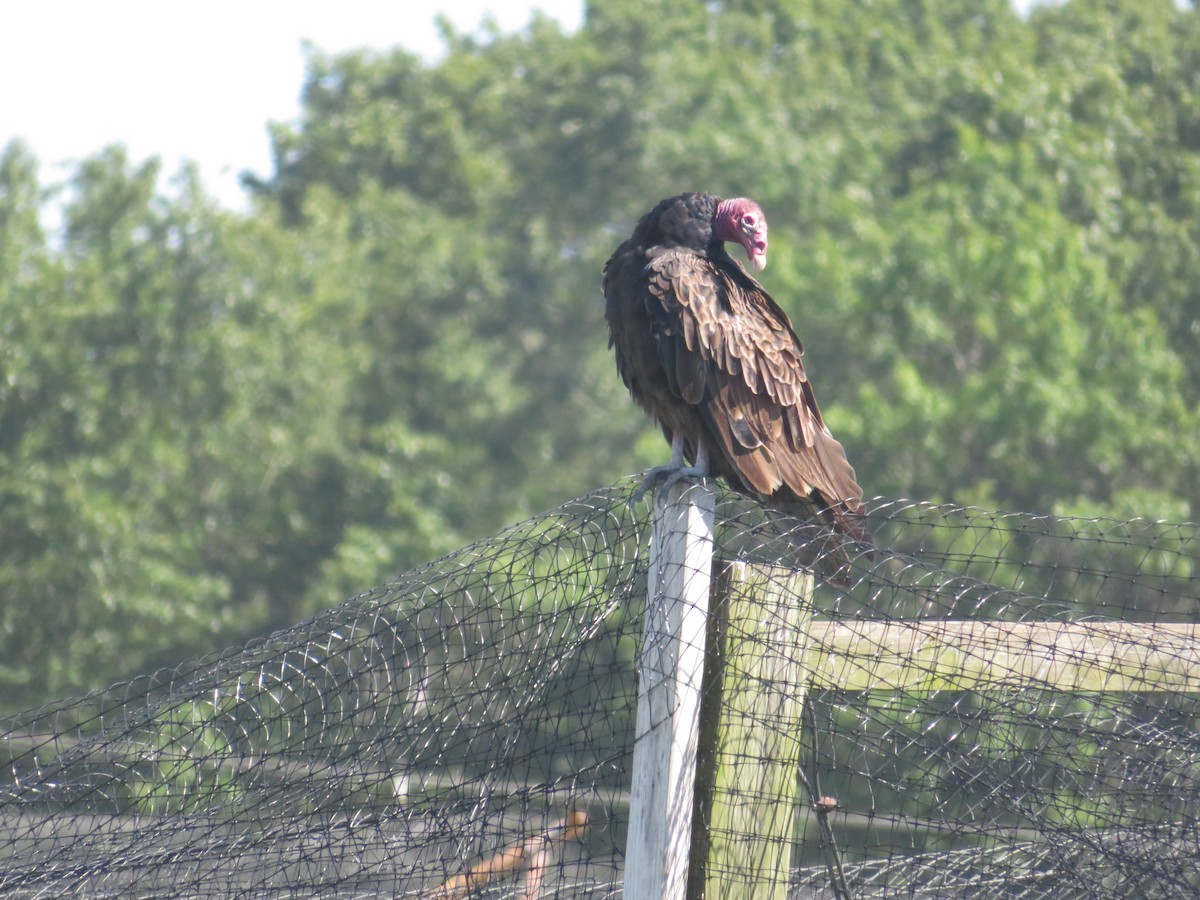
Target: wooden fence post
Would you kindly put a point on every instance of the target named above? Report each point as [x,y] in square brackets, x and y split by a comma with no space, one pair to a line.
[669,681]
[755,684]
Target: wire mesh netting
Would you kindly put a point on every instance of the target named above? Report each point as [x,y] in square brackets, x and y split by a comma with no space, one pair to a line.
[1000,705]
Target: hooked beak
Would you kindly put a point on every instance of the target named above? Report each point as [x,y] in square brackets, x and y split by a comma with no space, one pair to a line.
[756,252]
[754,239]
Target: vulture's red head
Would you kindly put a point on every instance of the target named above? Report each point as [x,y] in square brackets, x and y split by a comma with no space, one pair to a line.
[742,220]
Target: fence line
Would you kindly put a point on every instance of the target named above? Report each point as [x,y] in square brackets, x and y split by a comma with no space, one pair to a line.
[998,703]
[761,654]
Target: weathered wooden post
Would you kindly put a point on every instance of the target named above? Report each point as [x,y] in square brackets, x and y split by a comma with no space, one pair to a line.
[755,683]
[669,683]
[726,831]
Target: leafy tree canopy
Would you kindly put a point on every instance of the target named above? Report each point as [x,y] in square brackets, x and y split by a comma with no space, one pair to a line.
[986,230]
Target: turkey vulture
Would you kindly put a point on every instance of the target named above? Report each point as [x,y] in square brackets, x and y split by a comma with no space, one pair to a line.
[707,353]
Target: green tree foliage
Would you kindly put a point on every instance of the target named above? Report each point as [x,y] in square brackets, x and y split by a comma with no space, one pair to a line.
[172,467]
[985,228]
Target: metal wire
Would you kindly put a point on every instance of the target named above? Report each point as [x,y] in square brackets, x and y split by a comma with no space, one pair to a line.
[467,728]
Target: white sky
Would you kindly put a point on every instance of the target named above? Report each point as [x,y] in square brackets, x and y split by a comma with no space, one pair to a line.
[196,81]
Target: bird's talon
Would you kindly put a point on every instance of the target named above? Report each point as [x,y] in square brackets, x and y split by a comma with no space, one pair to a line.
[651,482]
[663,478]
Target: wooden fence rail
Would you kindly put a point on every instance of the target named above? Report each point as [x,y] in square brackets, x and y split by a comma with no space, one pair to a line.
[974,655]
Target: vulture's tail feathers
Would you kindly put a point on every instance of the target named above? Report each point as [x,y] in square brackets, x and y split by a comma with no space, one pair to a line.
[831,551]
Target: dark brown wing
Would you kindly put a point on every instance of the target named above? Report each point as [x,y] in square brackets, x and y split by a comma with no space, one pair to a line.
[729,350]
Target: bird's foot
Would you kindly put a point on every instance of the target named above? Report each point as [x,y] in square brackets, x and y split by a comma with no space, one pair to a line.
[662,478]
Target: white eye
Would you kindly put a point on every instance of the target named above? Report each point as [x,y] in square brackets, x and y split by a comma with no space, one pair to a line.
[748,220]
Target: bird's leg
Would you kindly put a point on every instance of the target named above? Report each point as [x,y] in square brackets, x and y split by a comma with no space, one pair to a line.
[660,478]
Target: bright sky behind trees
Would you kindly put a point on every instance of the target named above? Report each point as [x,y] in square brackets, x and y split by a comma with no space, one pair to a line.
[80,75]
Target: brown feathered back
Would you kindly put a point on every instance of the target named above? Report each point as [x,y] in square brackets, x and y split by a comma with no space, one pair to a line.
[711,357]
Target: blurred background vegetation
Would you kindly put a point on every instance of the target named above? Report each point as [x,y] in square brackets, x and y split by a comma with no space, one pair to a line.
[986,229]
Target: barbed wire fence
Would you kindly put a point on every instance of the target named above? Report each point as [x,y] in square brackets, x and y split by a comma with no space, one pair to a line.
[996,704]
